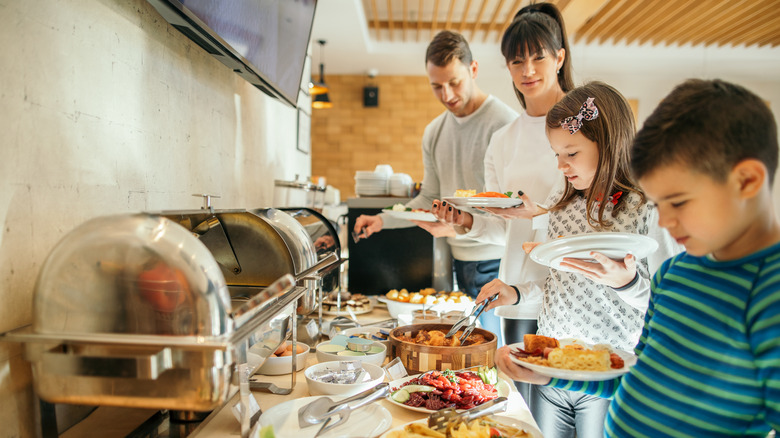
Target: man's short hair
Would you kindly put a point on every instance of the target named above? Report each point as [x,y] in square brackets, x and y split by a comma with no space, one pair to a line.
[446,46]
[708,126]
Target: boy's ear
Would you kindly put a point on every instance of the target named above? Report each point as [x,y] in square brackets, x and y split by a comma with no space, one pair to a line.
[750,176]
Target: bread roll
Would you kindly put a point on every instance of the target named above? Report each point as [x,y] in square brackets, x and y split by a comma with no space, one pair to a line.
[538,342]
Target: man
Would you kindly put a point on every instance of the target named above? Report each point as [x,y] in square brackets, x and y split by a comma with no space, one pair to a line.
[454,147]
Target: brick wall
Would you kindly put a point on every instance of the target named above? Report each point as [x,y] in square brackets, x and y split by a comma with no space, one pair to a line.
[350,137]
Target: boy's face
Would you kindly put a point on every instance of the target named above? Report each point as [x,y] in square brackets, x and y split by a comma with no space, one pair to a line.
[453,85]
[700,213]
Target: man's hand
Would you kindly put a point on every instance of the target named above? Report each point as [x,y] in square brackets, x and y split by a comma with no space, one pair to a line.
[613,273]
[366,225]
[515,371]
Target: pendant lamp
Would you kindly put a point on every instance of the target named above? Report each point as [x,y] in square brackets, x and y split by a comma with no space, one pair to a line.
[319,90]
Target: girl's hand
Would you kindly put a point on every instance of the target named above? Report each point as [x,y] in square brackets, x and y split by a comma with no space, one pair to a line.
[527,210]
[613,273]
[506,294]
[515,371]
[451,215]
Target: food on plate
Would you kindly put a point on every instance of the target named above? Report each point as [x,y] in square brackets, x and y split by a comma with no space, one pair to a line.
[435,338]
[533,342]
[436,390]
[546,351]
[529,246]
[356,302]
[460,193]
[401,207]
[285,349]
[490,195]
[428,296]
[478,428]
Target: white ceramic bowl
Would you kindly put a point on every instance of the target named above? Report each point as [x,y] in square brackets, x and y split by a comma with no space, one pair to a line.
[396,308]
[366,331]
[375,359]
[274,366]
[317,387]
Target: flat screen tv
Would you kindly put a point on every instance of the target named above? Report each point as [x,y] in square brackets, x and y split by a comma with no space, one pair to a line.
[263,41]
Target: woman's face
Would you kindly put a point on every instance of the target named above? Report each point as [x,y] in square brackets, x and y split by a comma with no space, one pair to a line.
[535,75]
[578,157]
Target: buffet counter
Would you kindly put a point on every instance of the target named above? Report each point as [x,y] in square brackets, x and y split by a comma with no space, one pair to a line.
[223,423]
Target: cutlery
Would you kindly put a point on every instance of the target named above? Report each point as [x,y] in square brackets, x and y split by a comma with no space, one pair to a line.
[443,418]
[470,328]
[324,408]
[475,312]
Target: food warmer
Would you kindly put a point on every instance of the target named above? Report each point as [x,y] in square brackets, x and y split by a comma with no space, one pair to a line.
[170,310]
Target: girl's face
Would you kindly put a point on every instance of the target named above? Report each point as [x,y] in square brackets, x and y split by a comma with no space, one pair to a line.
[578,157]
[535,75]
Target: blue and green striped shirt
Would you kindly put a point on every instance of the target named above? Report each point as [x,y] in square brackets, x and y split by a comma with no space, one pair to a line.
[709,354]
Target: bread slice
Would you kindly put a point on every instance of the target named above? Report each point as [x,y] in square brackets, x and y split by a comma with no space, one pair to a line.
[461,193]
[580,360]
[538,342]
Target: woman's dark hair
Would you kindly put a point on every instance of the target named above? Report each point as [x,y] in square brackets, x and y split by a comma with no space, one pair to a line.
[708,126]
[446,46]
[536,28]
[612,131]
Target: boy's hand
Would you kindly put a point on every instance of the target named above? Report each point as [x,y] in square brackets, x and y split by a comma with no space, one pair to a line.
[515,371]
[613,273]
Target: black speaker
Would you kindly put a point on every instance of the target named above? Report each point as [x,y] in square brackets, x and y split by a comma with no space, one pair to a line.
[370,96]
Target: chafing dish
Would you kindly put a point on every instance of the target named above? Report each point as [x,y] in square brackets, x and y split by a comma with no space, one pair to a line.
[168,310]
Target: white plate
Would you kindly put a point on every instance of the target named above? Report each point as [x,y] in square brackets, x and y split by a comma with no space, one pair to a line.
[629,360]
[502,387]
[612,245]
[412,215]
[396,308]
[474,201]
[508,421]
[369,421]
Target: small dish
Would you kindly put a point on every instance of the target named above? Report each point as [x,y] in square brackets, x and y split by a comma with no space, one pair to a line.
[274,366]
[329,352]
[317,387]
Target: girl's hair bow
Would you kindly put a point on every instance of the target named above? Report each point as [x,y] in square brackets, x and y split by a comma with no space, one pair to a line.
[588,112]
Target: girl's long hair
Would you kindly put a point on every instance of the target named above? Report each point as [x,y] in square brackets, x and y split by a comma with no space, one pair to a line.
[612,131]
[536,28]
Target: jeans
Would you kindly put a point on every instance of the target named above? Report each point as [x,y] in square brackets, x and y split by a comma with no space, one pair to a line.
[513,331]
[561,413]
[471,277]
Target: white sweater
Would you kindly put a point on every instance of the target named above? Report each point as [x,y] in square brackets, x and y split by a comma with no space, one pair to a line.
[519,158]
[453,156]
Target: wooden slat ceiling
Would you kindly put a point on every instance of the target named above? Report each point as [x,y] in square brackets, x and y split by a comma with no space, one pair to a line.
[667,22]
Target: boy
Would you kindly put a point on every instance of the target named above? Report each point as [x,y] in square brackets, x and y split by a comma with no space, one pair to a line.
[709,354]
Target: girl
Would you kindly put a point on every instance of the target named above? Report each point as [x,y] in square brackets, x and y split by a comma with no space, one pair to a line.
[590,131]
[536,51]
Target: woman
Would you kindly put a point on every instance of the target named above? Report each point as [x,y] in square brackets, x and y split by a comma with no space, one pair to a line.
[519,159]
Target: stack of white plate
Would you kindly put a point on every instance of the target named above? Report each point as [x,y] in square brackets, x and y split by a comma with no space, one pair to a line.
[368,183]
[400,185]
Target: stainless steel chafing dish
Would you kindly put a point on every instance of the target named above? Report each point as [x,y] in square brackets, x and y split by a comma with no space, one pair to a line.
[172,310]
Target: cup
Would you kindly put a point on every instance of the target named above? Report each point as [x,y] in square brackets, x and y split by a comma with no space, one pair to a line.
[384,169]
[452,317]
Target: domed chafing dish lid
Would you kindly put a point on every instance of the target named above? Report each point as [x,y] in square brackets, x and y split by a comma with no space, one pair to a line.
[131,274]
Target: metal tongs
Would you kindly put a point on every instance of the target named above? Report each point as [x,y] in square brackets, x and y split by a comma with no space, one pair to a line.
[324,409]
[475,312]
[443,418]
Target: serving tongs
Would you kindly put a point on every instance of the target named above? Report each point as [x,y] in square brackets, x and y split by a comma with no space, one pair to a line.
[444,418]
[324,409]
[475,312]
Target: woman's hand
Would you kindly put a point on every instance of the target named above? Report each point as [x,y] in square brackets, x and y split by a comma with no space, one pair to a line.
[613,273]
[506,294]
[451,215]
[527,210]
[515,371]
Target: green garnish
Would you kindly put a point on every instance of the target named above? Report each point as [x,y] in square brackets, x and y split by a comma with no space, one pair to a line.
[508,194]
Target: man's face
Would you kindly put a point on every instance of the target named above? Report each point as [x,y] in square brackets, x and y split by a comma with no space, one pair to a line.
[453,85]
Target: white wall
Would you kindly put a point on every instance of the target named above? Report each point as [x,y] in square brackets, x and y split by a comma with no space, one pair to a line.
[105,108]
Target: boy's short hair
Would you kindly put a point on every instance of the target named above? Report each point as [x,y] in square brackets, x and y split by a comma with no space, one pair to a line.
[446,46]
[709,126]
